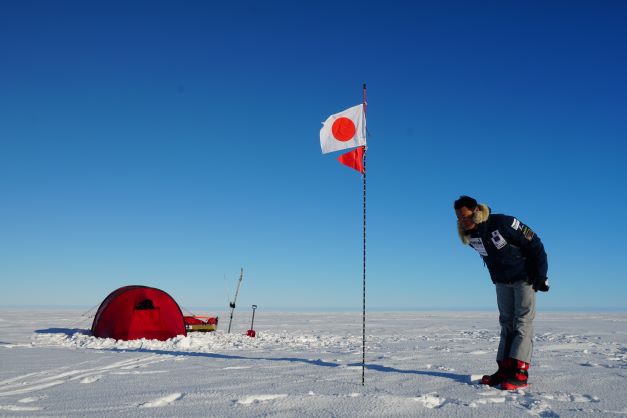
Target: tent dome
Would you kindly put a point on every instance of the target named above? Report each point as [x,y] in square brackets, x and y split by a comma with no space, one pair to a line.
[134,312]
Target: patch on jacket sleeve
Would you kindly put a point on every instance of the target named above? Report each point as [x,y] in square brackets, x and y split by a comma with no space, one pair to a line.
[528,233]
[515,224]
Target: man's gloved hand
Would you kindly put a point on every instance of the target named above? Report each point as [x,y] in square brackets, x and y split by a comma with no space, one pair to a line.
[540,284]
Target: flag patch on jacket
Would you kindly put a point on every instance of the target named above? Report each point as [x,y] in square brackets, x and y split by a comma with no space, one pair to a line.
[477,244]
[528,233]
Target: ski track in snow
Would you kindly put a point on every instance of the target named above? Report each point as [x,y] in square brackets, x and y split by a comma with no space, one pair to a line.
[17,408]
[438,355]
[46,379]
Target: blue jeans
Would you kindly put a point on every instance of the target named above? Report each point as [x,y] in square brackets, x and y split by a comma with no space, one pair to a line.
[517,310]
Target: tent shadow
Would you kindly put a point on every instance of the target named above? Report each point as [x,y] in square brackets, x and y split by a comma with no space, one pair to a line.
[66,331]
[462,378]
[72,331]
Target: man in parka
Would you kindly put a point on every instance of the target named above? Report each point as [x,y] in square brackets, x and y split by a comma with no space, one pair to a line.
[517,262]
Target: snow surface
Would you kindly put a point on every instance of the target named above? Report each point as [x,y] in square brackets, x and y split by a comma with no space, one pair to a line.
[309,365]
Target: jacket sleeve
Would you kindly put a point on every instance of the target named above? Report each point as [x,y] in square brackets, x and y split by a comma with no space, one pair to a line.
[531,247]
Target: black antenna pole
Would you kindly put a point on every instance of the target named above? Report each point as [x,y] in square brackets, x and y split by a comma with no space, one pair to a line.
[232,304]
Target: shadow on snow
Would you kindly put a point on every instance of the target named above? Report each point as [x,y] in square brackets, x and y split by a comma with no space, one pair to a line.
[462,378]
[67,331]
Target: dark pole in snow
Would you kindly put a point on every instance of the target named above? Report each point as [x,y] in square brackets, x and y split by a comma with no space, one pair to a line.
[232,304]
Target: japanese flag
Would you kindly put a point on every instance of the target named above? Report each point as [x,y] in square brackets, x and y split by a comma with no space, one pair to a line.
[344,130]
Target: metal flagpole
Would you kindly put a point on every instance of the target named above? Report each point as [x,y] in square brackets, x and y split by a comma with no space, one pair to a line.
[363,358]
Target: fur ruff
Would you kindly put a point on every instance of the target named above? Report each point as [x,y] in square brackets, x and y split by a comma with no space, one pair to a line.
[478,217]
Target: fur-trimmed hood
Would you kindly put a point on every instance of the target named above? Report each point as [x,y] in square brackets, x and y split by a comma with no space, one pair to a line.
[478,217]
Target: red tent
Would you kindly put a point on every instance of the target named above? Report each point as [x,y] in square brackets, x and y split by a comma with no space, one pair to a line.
[133,312]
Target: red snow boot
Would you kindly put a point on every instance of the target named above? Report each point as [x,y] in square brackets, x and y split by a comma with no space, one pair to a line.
[518,375]
[500,375]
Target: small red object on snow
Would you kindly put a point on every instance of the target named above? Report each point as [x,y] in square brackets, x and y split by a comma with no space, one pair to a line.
[251,333]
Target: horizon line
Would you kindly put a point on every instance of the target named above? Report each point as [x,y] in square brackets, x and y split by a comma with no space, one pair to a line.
[335,308]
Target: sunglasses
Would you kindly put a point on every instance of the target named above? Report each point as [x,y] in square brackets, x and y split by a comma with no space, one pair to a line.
[466,218]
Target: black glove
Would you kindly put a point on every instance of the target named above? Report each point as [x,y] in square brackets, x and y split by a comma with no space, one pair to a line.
[540,284]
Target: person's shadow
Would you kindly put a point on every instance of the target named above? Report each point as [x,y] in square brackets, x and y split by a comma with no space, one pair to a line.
[462,378]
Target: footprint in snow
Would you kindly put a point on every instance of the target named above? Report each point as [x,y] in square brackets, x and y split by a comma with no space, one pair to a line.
[163,401]
[570,397]
[487,400]
[32,399]
[91,379]
[255,399]
[541,409]
[590,364]
[430,400]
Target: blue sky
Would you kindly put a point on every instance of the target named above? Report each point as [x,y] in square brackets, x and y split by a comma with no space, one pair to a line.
[171,143]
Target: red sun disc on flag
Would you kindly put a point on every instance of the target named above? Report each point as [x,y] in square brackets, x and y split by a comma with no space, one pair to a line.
[343,129]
